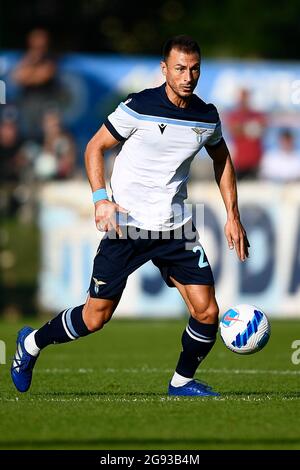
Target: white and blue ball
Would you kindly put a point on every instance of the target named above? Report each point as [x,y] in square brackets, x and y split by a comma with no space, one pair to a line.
[245,329]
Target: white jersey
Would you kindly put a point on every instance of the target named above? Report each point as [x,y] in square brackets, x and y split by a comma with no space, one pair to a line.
[151,171]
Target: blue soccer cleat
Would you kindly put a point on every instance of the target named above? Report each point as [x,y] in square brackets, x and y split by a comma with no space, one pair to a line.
[23,363]
[194,388]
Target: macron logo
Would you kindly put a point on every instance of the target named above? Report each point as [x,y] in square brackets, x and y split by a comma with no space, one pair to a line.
[162,127]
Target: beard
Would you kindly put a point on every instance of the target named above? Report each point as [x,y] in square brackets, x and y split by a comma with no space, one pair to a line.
[180,92]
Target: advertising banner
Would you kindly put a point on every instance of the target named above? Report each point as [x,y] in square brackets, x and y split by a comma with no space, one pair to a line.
[270,278]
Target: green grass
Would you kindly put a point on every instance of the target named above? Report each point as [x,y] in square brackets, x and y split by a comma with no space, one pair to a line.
[108,391]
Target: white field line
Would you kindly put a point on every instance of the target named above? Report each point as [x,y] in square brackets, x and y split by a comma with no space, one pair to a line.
[157,399]
[56,370]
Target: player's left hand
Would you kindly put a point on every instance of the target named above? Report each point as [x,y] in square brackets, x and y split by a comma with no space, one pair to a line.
[237,238]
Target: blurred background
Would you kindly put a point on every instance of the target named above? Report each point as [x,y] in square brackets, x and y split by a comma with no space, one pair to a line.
[64,66]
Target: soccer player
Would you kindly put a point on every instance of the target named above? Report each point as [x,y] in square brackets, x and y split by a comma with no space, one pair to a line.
[161,129]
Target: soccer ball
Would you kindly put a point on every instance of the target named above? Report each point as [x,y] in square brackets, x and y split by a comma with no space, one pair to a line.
[245,329]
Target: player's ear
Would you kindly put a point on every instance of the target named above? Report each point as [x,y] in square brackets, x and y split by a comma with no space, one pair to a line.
[163,67]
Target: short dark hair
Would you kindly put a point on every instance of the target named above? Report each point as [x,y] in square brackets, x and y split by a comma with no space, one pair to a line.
[182,43]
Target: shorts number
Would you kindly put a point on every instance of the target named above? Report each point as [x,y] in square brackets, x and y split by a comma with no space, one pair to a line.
[201,262]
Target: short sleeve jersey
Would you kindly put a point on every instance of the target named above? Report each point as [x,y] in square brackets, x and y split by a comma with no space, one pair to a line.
[160,140]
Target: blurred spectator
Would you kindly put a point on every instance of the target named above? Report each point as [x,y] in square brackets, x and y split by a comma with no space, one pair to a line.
[35,74]
[56,159]
[246,127]
[282,164]
[11,155]
[13,164]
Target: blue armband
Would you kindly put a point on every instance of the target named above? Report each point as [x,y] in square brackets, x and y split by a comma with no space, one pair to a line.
[99,195]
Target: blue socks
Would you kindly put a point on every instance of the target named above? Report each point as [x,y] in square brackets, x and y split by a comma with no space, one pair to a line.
[67,326]
[197,340]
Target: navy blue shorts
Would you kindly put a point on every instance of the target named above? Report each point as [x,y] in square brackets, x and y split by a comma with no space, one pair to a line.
[177,253]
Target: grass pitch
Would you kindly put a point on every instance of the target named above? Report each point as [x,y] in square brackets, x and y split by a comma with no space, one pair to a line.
[108,391]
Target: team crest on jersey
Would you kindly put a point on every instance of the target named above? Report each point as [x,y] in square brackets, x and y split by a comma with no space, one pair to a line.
[162,127]
[199,133]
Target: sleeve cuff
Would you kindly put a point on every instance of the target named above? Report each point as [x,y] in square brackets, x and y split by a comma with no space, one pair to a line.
[214,146]
[113,131]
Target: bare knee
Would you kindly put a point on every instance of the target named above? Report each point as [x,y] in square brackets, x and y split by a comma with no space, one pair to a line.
[96,314]
[206,311]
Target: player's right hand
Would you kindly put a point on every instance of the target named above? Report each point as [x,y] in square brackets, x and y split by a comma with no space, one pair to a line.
[105,216]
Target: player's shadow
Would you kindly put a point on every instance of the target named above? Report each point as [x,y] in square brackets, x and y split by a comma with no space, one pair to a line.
[150,443]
